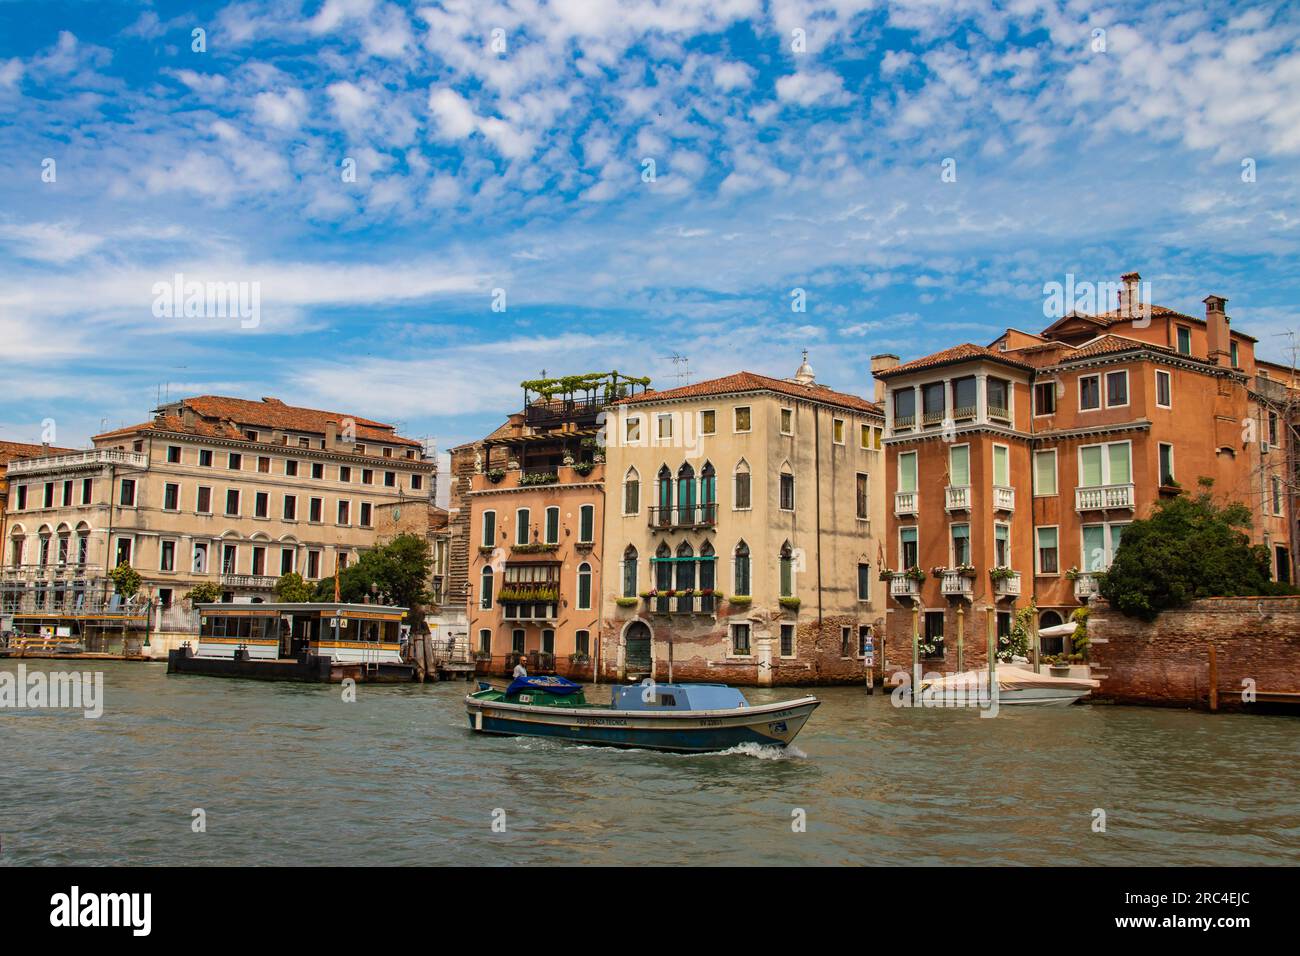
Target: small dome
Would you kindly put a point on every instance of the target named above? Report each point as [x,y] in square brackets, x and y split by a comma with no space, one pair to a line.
[805,374]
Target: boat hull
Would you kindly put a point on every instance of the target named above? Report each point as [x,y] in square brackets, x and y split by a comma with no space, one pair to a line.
[689,732]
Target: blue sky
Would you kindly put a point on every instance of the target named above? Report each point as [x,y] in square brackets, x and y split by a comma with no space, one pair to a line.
[779,165]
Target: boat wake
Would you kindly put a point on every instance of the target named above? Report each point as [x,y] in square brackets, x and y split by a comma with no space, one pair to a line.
[760,752]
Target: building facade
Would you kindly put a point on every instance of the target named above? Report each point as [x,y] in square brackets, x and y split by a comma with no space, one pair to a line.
[741,532]
[536,509]
[1014,468]
[211,489]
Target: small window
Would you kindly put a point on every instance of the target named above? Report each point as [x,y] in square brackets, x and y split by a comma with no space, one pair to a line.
[787,640]
[171,497]
[234,462]
[632,430]
[632,494]
[1164,389]
[291,468]
[366,514]
[742,500]
[708,422]
[87,490]
[127,497]
[205,457]
[390,479]
[837,431]
[174,454]
[787,492]
[261,505]
[741,418]
[1045,398]
[232,502]
[1047,551]
[553,525]
[582,643]
[522,523]
[1045,473]
[1235,355]
[317,470]
[664,426]
[864,581]
[489,529]
[864,436]
[1184,340]
[315,510]
[345,474]
[417,482]
[740,640]
[1089,392]
[787,421]
[290,508]
[345,512]
[863,497]
[203,501]
[1116,389]
[586,524]
[1166,464]
[485,641]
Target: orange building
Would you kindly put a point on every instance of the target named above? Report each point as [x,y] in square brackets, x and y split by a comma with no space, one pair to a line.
[536,512]
[1013,468]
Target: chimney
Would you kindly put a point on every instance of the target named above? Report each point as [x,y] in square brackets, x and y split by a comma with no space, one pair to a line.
[1128,293]
[331,433]
[881,363]
[1216,330]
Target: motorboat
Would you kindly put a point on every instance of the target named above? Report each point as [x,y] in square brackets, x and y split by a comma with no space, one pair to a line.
[683,718]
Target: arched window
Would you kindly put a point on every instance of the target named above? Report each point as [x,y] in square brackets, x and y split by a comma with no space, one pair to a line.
[686,494]
[787,570]
[741,562]
[786,488]
[685,575]
[708,493]
[664,495]
[83,543]
[632,492]
[663,575]
[740,496]
[485,589]
[584,587]
[629,572]
[16,541]
[708,576]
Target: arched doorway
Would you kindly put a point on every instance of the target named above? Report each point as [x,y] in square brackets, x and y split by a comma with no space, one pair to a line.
[636,640]
[1051,645]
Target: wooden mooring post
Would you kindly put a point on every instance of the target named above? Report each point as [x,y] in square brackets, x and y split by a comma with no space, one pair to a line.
[1214,678]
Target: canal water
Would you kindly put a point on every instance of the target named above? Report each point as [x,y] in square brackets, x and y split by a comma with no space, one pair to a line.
[293,774]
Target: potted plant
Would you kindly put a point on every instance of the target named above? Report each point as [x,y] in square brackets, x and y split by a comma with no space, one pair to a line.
[938,573]
[584,467]
[740,600]
[789,603]
[886,574]
[914,574]
[495,474]
[966,571]
[1001,573]
[1059,668]
[1072,574]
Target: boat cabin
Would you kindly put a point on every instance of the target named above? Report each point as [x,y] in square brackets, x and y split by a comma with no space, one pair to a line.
[345,633]
[656,697]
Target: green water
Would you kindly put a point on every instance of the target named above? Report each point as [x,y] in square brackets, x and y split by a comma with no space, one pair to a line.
[292,774]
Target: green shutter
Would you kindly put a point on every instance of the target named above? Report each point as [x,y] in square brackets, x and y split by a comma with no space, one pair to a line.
[1120,472]
[958,465]
[1090,466]
[1045,473]
[1001,474]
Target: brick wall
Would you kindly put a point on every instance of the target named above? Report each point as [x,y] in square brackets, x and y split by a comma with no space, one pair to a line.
[462,470]
[1168,660]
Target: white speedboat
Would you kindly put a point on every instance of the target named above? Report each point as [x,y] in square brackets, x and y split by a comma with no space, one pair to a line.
[1016,685]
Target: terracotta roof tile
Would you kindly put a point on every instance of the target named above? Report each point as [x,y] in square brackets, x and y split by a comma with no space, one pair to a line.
[223,417]
[1110,342]
[11,450]
[743,382]
[965,352]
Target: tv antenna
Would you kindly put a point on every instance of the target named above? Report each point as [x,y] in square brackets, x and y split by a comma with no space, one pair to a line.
[682,364]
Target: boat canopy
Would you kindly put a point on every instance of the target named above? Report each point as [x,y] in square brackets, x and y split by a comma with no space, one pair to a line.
[655,696]
[551,685]
[1011,677]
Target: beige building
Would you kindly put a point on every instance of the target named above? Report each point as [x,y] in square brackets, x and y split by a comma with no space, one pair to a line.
[741,532]
[211,489]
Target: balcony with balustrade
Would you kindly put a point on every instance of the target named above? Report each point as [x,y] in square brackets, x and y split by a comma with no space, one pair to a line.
[1104,497]
[684,517]
[1085,586]
[903,587]
[1004,498]
[905,503]
[957,498]
[248,582]
[956,584]
[93,458]
[1005,586]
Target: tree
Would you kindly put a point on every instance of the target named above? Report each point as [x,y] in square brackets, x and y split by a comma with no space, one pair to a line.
[126,580]
[1188,548]
[397,570]
[205,592]
[292,589]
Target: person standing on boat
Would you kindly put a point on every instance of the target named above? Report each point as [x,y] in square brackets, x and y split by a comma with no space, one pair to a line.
[520,670]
